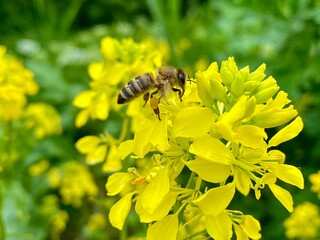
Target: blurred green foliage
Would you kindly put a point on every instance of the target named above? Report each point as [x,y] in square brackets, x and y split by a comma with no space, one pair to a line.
[58,39]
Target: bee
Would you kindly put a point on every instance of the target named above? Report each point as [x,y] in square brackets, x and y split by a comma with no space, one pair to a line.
[166,78]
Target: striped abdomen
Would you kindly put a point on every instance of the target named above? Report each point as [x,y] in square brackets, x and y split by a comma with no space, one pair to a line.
[136,87]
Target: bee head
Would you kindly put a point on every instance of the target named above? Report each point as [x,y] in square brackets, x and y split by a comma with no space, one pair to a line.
[181,78]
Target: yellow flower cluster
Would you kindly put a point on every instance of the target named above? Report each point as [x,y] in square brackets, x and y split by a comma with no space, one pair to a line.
[74,182]
[57,219]
[96,222]
[122,60]
[315,181]
[18,118]
[16,82]
[42,119]
[304,222]
[217,135]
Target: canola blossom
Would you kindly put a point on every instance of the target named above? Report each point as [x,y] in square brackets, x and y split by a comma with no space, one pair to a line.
[188,167]
[304,222]
[21,122]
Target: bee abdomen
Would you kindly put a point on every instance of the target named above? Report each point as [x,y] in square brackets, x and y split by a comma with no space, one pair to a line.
[135,88]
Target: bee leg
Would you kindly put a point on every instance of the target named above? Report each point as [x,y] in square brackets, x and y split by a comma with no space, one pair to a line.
[179,91]
[154,103]
[145,98]
[155,92]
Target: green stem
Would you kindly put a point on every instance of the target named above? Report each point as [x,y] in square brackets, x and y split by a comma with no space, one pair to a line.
[124,130]
[195,234]
[123,232]
[190,180]
[198,183]
[2,226]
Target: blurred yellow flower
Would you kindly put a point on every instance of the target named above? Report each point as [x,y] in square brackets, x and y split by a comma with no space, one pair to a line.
[122,61]
[96,222]
[58,224]
[12,102]
[39,168]
[315,181]
[304,222]
[16,82]
[57,219]
[13,73]
[42,119]
[74,182]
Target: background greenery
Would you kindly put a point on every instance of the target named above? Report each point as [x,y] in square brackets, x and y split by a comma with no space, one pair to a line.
[58,39]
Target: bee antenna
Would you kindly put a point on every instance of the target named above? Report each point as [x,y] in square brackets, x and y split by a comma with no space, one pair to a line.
[190,80]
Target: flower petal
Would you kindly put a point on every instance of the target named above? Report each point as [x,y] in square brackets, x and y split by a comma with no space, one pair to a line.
[160,212]
[251,136]
[192,122]
[219,227]
[287,133]
[120,210]
[251,227]
[214,201]
[87,144]
[117,182]
[211,149]
[289,174]
[242,182]
[156,190]
[283,196]
[167,228]
[208,170]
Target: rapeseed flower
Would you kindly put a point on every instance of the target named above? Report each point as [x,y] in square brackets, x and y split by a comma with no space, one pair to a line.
[217,134]
[74,182]
[122,61]
[21,123]
[42,119]
[16,83]
[304,222]
[315,181]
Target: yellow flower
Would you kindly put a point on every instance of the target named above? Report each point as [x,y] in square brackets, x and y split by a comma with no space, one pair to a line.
[16,82]
[13,73]
[42,119]
[57,219]
[12,102]
[101,149]
[217,134]
[315,181]
[123,60]
[59,223]
[304,222]
[94,147]
[96,222]
[39,168]
[74,182]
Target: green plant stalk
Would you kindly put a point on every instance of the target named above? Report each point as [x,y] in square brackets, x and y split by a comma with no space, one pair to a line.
[2,226]
[166,14]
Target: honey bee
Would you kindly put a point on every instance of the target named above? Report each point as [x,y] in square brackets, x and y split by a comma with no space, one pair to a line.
[166,78]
